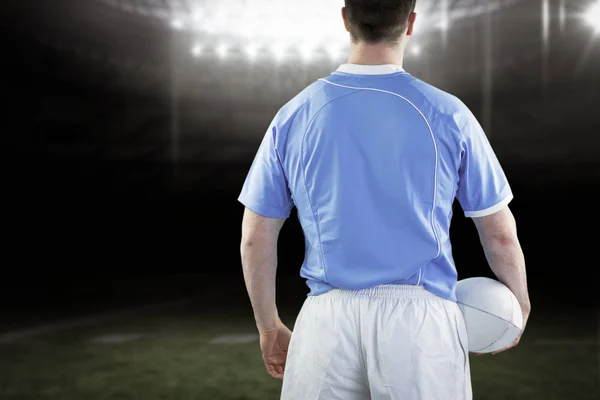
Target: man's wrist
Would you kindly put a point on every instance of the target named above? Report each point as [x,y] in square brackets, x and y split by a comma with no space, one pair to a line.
[270,327]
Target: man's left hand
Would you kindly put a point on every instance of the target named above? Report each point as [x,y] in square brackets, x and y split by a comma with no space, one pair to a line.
[274,345]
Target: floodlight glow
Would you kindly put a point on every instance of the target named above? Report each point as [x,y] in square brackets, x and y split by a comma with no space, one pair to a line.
[198,15]
[279,51]
[307,51]
[335,53]
[416,50]
[197,50]
[222,50]
[209,28]
[266,21]
[252,51]
[592,16]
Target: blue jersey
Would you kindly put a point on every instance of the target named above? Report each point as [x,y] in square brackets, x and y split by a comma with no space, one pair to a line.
[373,159]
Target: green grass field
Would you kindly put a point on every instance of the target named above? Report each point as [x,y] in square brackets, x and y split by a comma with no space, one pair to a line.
[174,360]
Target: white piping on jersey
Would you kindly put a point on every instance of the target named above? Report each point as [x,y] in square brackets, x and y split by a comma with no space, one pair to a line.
[437,239]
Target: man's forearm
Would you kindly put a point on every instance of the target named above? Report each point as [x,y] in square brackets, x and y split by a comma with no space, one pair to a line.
[507,261]
[260,265]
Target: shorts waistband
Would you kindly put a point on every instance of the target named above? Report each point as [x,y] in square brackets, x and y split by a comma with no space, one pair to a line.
[386,291]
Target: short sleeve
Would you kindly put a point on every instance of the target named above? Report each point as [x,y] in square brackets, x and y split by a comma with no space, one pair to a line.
[266,190]
[483,188]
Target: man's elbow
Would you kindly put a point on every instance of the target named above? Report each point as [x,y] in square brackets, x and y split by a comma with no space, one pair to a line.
[253,244]
[246,247]
[246,243]
[501,244]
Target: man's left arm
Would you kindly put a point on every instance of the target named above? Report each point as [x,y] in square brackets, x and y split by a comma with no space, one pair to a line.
[259,263]
[268,203]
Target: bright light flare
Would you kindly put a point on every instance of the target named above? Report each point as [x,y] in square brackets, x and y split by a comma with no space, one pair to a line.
[415,50]
[177,24]
[223,50]
[279,51]
[592,17]
[198,15]
[266,22]
[252,51]
[443,25]
[307,51]
[197,50]
[335,52]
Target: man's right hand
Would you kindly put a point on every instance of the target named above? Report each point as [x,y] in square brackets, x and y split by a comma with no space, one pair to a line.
[526,312]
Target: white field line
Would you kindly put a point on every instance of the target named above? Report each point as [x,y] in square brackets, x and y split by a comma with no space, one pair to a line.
[14,336]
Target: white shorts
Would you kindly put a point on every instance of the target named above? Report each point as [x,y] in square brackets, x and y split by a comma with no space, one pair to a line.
[389,342]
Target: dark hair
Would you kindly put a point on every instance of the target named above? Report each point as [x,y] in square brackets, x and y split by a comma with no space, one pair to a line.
[377,21]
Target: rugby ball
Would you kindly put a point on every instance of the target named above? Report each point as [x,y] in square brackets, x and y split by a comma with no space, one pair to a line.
[491,312]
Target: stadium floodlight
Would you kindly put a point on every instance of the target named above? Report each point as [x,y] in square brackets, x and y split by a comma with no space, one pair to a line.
[198,15]
[267,21]
[252,51]
[197,50]
[443,25]
[592,16]
[279,50]
[335,52]
[222,50]
[317,23]
[307,51]
[177,24]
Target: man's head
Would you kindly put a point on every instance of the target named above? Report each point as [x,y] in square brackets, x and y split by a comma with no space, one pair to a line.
[379,21]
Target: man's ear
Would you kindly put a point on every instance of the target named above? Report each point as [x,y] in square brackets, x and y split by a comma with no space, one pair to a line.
[345,18]
[411,23]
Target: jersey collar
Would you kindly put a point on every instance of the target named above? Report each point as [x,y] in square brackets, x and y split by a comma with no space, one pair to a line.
[370,69]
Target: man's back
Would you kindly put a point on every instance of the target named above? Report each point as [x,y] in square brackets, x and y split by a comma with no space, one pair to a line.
[373,159]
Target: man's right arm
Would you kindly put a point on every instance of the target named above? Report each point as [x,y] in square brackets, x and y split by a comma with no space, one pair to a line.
[498,236]
[484,194]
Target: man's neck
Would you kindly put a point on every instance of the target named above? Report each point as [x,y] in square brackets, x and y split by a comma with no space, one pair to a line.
[376,54]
